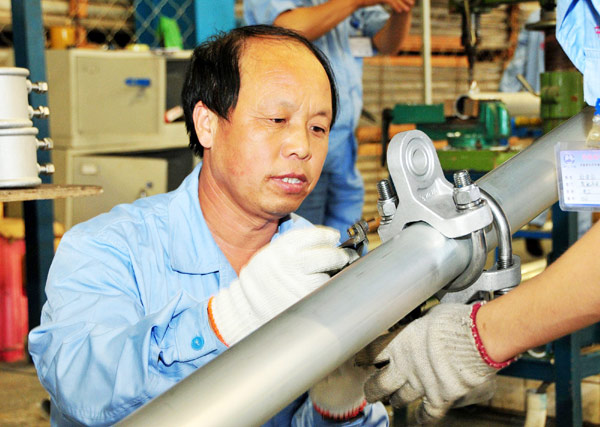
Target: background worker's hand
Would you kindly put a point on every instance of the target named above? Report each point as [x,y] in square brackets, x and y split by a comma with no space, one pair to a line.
[340,396]
[277,276]
[435,358]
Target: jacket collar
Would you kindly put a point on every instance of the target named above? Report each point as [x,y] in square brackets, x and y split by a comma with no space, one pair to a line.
[192,247]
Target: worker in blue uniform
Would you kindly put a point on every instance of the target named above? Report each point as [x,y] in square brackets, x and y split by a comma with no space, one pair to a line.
[528,59]
[346,31]
[455,349]
[142,296]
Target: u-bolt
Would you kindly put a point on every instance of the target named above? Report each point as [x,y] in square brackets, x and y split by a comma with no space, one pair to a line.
[505,256]
[476,265]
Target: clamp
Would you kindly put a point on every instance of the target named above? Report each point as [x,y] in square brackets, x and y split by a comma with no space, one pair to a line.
[503,276]
[422,194]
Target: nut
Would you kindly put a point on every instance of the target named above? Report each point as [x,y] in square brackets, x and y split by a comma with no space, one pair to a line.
[466,196]
[386,208]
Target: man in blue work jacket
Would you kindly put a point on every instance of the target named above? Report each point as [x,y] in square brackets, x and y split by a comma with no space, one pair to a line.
[140,297]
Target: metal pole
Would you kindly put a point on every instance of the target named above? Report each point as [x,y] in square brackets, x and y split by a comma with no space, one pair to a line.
[29,39]
[426,50]
[526,184]
[260,375]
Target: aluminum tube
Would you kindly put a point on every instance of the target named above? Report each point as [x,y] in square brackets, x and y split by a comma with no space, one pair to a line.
[257,377]
[517,103]
[260,375]
[426,52]
[526,184]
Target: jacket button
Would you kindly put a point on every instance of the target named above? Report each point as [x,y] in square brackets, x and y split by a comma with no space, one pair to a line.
[197,343]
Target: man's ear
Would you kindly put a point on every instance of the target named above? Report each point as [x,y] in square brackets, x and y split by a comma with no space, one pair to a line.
[205,122]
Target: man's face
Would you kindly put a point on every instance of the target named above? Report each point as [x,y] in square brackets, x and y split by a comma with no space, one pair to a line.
[268,157]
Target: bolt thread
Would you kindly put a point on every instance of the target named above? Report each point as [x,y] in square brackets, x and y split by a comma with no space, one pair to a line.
[504,263]
[462,179]
[384,190]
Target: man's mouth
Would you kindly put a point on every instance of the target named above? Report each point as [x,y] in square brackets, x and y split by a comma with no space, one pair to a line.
[292,183]
[291,180]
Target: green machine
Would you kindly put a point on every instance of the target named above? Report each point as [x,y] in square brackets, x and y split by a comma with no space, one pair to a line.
[490,127]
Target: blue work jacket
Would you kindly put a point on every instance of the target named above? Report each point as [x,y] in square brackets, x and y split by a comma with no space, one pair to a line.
[126,315]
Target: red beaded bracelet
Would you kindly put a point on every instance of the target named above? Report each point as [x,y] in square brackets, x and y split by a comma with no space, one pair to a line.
[482,352]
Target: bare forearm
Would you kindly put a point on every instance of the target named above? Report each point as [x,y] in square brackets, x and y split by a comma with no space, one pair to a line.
[561,300]
[313,22]
[390,38]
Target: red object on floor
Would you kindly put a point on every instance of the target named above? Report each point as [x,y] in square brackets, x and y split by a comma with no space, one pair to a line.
[14,322]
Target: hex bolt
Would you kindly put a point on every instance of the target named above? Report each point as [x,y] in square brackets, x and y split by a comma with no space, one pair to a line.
[466,194]
[41,112]
[45,144]
[39,87]
[386,205]
[46,169]
[384,189]
[462,178]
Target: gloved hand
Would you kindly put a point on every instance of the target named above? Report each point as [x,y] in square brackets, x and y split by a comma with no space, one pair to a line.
[340,396]
[436,358]
[277,276]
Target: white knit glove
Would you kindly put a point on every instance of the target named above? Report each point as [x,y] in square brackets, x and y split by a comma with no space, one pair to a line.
[434,358]
[340,396]
[277,276]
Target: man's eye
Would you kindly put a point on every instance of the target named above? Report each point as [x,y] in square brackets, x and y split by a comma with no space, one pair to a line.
[278,120]
[319,129]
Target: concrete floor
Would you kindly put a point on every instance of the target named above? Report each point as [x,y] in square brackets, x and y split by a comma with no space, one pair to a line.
[21,393]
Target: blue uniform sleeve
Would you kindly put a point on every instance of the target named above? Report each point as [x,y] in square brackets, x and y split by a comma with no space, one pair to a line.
[370,19]
[100,350]
[509,82]
[527,60]
[265,11]
[374,415]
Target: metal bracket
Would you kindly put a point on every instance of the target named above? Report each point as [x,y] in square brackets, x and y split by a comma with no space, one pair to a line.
[502,277]
[490,284]
[423,192]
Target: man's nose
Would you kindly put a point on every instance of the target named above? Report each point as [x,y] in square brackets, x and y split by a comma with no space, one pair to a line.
[297,144]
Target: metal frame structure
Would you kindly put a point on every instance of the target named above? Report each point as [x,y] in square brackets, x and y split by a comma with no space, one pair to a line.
[261,374]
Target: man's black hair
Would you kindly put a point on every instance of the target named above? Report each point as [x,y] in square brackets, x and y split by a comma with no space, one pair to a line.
[213,75]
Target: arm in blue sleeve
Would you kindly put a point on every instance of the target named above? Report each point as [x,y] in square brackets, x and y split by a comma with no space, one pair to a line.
[517,65]
[266,11]
[371,19]
[98,351]
[374,415]
[526,59]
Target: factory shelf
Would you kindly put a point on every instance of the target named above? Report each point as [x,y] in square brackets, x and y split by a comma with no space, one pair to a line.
[48,191]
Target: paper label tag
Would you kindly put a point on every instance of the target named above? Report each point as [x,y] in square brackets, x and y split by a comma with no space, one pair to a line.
[361,47]
[578,173]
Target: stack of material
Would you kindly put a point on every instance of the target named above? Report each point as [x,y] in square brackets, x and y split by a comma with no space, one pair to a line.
[446,29]
[103,15]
